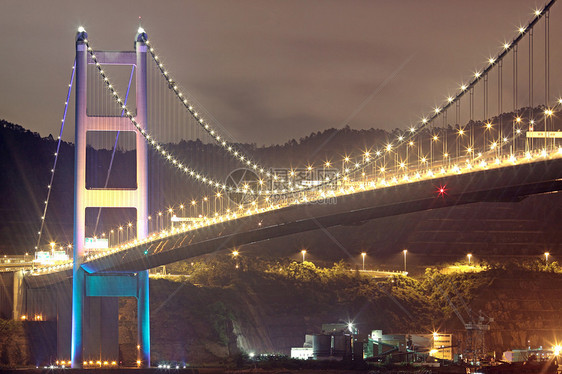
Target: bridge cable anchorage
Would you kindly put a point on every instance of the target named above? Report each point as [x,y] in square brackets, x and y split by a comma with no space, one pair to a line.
[59,140]
[194,174]
[235,152]
[464,88]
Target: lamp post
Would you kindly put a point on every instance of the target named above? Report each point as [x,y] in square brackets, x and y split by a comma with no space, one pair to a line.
[219,209]
[120,234]
[410,144]
[546,254]
[469,257]
[326,165]
[204,205]
[363,254]
[171,213]
[435,138]
[194,206]
[303,254]
[405,252]
[547,114]
[235,254]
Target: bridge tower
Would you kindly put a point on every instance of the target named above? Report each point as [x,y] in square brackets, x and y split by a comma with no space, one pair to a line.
[95,295]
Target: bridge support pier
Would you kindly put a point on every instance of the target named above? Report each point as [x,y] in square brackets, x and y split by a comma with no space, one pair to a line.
[143,318]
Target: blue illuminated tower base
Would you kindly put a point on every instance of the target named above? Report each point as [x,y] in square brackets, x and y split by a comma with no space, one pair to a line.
[95,295]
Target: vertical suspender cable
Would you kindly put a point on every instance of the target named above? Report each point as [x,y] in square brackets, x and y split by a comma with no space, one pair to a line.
[458,122]
[471,118]
[546,68]
[500,104]
[485,109]
[547,56]
[531,72]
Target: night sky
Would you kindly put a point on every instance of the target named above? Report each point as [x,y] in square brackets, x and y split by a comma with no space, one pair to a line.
[269,71]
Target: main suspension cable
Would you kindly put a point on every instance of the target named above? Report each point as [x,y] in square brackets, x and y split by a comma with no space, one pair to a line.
[59,140]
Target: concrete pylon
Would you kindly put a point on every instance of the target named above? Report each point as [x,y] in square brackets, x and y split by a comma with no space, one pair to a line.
[94,295]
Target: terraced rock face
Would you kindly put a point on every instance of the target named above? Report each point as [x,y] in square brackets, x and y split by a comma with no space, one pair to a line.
[526,307]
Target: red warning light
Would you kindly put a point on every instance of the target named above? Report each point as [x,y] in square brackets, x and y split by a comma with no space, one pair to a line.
[441,190]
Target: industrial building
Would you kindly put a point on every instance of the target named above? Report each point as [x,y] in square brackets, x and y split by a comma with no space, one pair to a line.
[342,341]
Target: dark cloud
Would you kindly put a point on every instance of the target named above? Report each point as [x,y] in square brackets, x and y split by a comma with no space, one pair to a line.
[268,71]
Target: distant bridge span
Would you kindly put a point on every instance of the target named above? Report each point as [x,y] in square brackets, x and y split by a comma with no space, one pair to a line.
[509,184]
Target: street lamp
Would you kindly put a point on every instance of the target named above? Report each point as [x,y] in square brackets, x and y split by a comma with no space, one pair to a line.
[193,206]
[363,254]
[405,251]
[171,213]
[303,254]
[235,254]
[546,254]
[52,244]
[218,196]
[469,257]
[547,114]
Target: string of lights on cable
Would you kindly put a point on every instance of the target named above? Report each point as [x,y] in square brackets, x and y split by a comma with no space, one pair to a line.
[53,169]
[426,120]
[358,164]
[168,156]
[229,147]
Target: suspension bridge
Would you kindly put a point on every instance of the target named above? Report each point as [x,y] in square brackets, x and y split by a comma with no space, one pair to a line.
[497,138]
